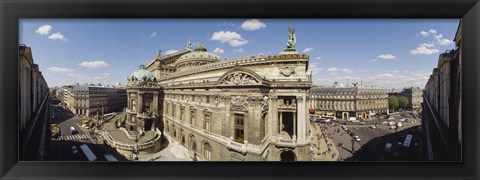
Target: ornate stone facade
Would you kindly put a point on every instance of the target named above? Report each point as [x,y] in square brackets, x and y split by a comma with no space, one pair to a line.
[223,109]
[343,102]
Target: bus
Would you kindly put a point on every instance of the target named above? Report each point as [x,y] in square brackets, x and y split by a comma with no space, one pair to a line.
[407,141]
[110,157]
[88,152]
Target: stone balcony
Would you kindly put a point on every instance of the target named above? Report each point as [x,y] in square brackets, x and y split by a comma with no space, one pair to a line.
[236,146]
[286,142]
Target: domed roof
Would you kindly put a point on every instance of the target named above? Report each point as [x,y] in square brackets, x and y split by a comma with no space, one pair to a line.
[142,72]
[200,53]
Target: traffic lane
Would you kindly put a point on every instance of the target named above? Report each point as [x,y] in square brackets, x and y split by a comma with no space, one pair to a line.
[345,150]
[61,115]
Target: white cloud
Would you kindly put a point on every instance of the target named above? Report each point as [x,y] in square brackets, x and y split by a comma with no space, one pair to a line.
[395,71]
[335,69]
[170,51]
[347,70]
[43,30]
[445,42]
[332,69]
[240,50]
[106,74]
[386,75]
[374,60]
[442,41]
[307,49]
[318,58]
[218,51]
[59,69]
[233,38]
[313,68]
[252,25]
[93,64]
[78,76]
[425,49]
[362,70]
[427,33]
[153,35]
[427,45]
[57,36]
[386,56]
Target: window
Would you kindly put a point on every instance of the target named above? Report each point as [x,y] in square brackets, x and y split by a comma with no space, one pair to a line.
[239,127]
[173,110]
[193,143]
[192,116]
[207,151]
[182,113]
[207,117]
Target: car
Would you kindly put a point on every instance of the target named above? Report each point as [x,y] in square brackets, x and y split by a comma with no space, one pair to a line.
[352,134]
[357,138]
[392,127]
[362,123]
[73,130]
[373,126]
[74,150]
[399,144]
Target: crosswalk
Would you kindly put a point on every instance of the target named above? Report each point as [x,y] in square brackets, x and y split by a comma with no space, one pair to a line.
[72,137]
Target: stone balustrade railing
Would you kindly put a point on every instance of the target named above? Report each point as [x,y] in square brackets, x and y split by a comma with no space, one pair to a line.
[130,146]
[217,65]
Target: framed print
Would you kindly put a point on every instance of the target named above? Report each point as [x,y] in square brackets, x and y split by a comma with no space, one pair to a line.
[225,89]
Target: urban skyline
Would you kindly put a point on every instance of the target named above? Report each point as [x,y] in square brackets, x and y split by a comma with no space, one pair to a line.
[386,53]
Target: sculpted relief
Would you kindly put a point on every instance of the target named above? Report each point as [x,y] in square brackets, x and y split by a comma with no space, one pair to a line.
[239,78]
[239,104]
[287,71]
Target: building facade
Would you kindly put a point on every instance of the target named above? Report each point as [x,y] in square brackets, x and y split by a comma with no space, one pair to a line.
[245,109]
[344,102]
[413,94]
[87,100]
[442,106]
[34,117]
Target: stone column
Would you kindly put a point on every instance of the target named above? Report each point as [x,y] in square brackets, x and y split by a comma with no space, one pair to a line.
[155,102]
[140,102]
[301,111]
[280,125]
[295,124]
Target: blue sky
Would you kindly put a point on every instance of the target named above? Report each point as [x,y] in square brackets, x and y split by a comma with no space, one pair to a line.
[383,52]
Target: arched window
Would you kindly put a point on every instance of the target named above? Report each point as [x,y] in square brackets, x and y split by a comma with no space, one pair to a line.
[193,143]
[207,151]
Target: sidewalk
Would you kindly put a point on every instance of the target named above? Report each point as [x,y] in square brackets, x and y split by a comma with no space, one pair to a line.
[173,152]
[323,147]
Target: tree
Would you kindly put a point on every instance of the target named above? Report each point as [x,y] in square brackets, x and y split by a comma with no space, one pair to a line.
[403,101]
[392,102]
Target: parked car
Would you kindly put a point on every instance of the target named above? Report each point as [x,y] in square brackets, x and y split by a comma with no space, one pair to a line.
[357,138]
[373,126]
[362,123]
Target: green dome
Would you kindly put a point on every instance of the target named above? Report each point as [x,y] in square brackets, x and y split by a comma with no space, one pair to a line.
[199,53]
[142,72]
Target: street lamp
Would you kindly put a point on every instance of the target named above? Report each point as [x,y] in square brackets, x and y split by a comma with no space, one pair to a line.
[353,145]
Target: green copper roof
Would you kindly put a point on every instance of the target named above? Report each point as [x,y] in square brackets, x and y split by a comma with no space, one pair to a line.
[199,53]
[142,72]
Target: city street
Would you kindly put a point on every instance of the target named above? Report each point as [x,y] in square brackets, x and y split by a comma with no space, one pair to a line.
[371,147]
[63,147]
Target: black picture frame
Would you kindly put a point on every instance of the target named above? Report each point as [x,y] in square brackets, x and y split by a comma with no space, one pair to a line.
[11,11]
